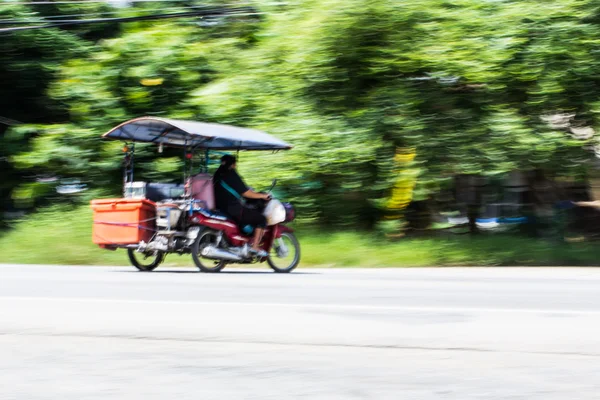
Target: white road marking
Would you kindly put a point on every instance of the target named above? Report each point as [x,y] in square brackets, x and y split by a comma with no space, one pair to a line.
[306,305]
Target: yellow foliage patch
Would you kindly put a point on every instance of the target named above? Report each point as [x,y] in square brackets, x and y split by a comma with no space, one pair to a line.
[152,81]
[403,188]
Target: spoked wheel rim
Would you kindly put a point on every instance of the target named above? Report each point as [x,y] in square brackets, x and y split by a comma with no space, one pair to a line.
[206,264]
[145,261]
[285,253]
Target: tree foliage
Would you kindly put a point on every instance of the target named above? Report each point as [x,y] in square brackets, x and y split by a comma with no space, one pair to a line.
[472,87]
[29,63]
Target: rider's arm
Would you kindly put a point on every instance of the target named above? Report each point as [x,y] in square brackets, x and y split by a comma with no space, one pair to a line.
[236,182]
[251,194]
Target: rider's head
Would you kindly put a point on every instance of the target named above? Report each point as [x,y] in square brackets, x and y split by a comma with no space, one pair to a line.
[228,161]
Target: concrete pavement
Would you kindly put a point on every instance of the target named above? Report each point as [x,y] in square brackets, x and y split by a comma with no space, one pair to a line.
[494,333]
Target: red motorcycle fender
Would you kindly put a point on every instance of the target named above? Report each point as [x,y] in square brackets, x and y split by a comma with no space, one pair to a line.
[279,229]
[271,234]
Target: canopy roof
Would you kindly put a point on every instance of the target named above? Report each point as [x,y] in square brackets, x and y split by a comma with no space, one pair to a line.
[179,133]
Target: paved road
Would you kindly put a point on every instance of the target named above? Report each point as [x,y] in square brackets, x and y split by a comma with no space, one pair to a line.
[75,333]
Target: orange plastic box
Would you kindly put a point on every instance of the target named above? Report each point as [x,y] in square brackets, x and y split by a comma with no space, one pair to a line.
[123,221]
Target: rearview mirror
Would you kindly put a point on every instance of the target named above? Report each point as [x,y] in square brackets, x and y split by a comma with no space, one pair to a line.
[273,184]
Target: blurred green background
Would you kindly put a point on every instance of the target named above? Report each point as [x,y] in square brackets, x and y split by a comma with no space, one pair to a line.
[413,122]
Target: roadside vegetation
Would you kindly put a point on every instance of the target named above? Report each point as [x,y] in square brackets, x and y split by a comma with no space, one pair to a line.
[385,102]
[401,113]
[59,235]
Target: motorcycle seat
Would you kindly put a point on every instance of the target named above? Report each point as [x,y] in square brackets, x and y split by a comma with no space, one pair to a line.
[215,214]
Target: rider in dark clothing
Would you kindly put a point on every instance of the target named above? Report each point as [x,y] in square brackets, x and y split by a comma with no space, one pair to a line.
[230,192]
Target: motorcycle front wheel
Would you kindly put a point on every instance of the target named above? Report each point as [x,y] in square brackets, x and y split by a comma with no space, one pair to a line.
[285,253]
[204,238]
[145,262]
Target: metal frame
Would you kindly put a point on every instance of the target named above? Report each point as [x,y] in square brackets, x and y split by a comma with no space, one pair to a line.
[128,166]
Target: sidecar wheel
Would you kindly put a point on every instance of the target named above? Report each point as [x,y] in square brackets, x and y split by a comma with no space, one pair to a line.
[145,263]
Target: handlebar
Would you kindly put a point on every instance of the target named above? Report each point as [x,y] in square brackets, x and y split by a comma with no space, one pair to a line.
[272,186]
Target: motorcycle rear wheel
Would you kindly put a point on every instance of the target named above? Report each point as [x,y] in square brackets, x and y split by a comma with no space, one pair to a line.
[148,263]
[284,264]
[204,238]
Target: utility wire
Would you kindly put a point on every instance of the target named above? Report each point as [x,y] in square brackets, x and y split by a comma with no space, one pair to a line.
[203,13]
[58,18]
[9,122]
[39,3]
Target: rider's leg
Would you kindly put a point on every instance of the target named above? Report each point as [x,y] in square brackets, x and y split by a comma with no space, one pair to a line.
[258,235]
[255,218]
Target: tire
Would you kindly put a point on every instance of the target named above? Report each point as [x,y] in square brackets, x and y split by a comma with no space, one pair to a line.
[273,258]
[204,264]
[156,260]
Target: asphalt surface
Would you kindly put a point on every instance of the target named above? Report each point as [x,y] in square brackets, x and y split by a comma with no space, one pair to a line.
[111,333]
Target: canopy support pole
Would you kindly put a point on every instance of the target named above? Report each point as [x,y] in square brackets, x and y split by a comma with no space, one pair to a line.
[206,160]
[128,166]
[185,162]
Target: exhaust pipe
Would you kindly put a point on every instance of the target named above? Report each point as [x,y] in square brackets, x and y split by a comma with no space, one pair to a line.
[217,254]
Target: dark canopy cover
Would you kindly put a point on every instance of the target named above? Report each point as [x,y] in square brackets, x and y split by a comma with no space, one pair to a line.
[179,133]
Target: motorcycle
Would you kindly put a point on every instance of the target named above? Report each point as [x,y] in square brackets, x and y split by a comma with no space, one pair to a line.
[180,219]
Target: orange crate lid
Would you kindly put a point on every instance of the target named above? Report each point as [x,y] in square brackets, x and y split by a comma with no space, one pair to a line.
[103,202]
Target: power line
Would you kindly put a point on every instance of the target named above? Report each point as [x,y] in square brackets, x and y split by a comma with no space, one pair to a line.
[9,122]
[32,3]
[57,18]
[41,18]
[203,13]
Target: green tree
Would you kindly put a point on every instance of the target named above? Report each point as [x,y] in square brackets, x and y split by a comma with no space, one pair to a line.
[29,63]
[474,88]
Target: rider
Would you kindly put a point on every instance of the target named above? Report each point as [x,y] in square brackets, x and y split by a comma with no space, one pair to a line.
[230,191]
